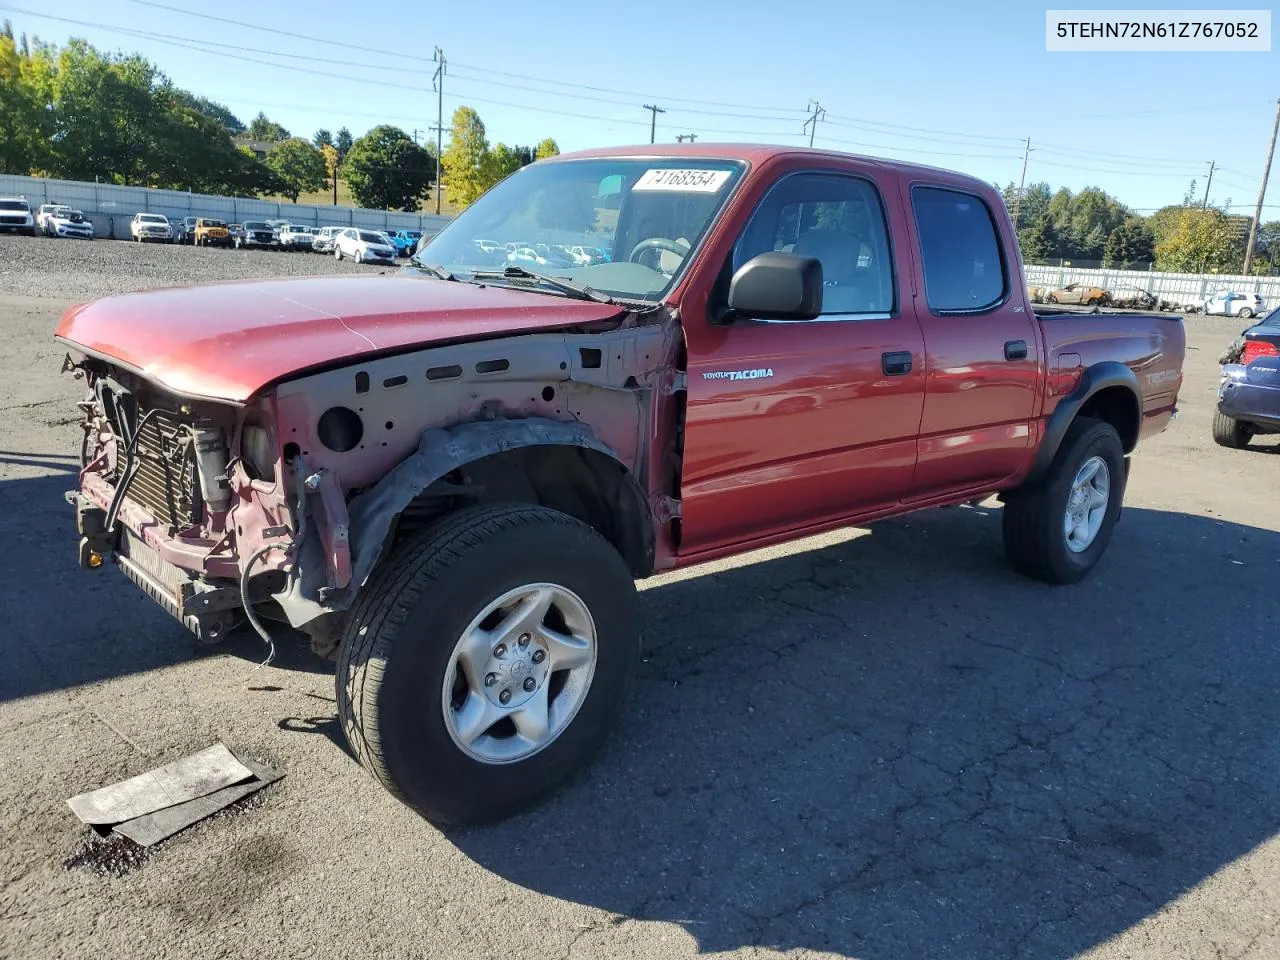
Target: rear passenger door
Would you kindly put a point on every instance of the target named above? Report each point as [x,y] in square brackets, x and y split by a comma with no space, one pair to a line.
[981,345]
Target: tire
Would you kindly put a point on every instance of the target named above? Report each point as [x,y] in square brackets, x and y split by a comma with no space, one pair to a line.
[1230,432]
[1245,313]
[399,647]
[1050,298]
[337,252]
[359,257]
[1035,536]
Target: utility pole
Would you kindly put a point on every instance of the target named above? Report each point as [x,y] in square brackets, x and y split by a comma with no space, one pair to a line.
[653,120]
[437,84]
[816,113]
[682,137]
[1205,205]
[1262,192]
[1017,201]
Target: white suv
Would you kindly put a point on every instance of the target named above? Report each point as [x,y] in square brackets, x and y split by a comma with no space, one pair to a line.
[322,239]
[364,246]
[150,226]
[15,214]
[59,220]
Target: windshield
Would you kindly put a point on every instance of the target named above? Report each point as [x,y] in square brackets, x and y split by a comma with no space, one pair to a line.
[152,218]
[60,212]
[646,216]
[256,225]
[377,238]
[214,223]
[14,205]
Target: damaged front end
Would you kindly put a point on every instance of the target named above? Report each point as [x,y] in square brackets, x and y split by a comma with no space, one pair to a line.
[190,500]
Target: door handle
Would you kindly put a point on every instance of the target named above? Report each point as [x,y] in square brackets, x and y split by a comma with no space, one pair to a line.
[1015,350]
[896,364]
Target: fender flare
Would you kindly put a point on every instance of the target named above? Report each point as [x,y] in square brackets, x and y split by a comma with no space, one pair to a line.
[1100,376]
[372,513]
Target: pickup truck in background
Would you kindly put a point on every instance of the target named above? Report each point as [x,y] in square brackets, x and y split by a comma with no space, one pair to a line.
[150,226]
[451,477]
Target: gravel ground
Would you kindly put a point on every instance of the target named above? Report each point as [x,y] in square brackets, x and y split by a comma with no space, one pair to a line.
[77,270]
[878,744]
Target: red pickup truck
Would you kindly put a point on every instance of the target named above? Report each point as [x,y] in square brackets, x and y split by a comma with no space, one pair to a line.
[451,477]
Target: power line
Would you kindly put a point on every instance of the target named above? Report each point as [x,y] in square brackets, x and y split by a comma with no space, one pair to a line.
[815,112]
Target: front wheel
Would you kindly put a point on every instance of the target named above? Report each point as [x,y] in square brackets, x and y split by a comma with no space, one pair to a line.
[1244,313]
[1230,432]
[1058,529]
[337,253]
[486,660]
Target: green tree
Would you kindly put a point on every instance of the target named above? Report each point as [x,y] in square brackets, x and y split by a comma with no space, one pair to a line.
[1266,248]
[501,162]
[547,148]
[1040,242]
[1201,241]
[26,123]
[466,159]
[322,139]
[385,169]
[216,112]
[343,142]
[1130,244]
[298,165]
[260,128]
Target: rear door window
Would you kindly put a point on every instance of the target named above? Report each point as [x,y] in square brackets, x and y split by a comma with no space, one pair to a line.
[964,270]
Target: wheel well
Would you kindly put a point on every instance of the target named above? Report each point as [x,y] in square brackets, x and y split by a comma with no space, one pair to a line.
[1118,407]
[584,483]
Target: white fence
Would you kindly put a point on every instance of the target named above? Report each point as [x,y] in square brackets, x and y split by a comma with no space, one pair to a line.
[111,207]
[1183,288]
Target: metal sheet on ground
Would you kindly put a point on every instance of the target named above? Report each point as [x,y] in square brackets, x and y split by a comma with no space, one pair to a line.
[162,824]
[177,782]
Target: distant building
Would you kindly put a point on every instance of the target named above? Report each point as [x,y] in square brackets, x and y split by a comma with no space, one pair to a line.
[259,147]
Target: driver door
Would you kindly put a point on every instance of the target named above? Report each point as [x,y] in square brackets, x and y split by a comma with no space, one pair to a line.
[793,424]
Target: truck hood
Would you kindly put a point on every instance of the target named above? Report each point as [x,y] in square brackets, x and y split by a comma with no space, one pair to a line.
[228,340]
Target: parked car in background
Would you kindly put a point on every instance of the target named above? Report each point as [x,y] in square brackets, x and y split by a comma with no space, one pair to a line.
[15,214]
[1081,293]
[294,236]
[1228,303]
[1249,391]
[276,226]
[150,226]
[363,246]
[237,233]
[44,216]
[1133,298]
[62,221]
[322,239]
[184,230]
[585,256]
[211,233]
[405,241]
[257,233]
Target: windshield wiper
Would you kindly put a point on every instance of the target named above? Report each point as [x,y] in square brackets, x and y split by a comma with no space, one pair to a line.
[515,271]
[434,269]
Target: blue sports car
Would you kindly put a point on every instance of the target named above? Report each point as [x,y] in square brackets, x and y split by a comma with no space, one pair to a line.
[1249,393]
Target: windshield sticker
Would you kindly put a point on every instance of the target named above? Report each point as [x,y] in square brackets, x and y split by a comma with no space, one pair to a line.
[685,181]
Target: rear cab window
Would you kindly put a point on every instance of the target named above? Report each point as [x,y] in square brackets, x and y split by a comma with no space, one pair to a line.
[964,266]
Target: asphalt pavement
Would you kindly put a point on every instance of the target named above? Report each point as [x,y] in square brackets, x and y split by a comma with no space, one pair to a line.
[880,743]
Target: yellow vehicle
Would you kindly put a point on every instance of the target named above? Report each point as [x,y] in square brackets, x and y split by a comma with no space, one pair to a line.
[1079,293]
[212,233]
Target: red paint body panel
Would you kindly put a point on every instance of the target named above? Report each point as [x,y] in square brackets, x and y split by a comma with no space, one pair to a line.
[828,438]
[227,341]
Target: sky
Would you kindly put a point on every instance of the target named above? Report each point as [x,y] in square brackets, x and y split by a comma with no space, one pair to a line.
[954,85]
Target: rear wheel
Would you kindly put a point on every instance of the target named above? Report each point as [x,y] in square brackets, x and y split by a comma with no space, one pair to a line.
[1230,432]
[1244,313]
[486,661]
[1057,530]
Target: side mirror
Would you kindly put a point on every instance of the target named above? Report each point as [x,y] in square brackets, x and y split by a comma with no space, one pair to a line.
[777,286]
